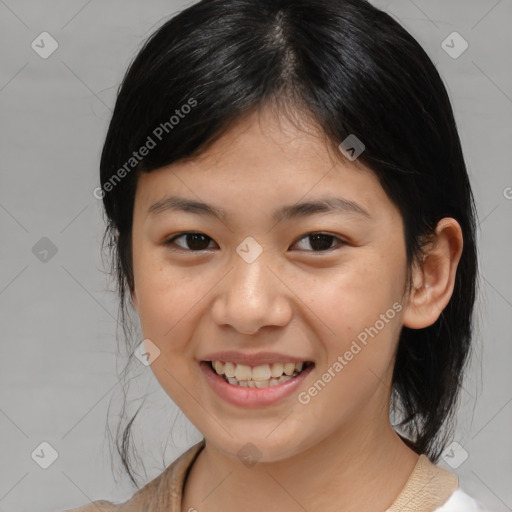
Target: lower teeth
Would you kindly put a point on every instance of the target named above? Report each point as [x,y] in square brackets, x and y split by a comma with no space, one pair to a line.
[260,384]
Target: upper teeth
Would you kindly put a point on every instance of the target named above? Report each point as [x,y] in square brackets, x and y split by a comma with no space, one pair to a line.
[257,373]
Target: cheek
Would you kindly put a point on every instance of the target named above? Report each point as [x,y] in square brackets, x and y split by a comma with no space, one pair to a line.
[166,302]
[362,310]
[361,303]
[166,297]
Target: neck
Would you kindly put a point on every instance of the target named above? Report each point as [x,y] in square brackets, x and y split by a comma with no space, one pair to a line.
[354,469]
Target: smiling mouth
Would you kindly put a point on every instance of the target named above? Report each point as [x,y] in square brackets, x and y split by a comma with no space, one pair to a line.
[261,376]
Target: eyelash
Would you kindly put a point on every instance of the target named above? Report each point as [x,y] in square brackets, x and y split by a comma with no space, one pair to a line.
[170,242]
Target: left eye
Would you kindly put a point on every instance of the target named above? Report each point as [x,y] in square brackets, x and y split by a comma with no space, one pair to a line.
[196,241]
[199,241]
[321,241]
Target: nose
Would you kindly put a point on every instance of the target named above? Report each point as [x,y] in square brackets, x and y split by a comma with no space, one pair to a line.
[251,297]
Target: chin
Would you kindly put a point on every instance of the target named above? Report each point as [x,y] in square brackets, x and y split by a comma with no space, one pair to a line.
[260,446]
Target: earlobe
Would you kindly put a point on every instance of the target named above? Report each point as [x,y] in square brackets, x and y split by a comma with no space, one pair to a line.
[434,280]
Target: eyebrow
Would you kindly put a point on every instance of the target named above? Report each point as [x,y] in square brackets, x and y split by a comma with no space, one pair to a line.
[304,209]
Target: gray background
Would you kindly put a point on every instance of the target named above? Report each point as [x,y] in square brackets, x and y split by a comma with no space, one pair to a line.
[58,364]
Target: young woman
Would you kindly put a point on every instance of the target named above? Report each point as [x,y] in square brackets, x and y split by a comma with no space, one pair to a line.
[291,218]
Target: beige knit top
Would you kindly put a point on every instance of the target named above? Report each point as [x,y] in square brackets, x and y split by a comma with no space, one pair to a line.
[428,488]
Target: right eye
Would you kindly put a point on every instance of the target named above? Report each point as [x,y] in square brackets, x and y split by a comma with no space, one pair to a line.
[196,241]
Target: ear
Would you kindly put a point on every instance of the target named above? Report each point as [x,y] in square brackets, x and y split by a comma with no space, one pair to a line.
[434,279]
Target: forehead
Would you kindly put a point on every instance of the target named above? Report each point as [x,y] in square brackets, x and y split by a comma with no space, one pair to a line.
[264,158]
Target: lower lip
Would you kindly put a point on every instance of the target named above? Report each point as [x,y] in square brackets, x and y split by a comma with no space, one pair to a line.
[251,397]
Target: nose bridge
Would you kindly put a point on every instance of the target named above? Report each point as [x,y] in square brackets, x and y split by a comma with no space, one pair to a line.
[250,296]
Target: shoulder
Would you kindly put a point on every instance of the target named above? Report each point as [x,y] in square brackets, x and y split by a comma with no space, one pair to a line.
[96,506]
[461,502]
[162,493]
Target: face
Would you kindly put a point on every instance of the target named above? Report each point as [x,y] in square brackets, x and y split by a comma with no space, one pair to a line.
[319,285]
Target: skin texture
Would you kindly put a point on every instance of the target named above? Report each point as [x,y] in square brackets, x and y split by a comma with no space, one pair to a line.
[338,452]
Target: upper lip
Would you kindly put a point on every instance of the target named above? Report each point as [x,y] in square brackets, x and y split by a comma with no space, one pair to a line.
[258,358]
